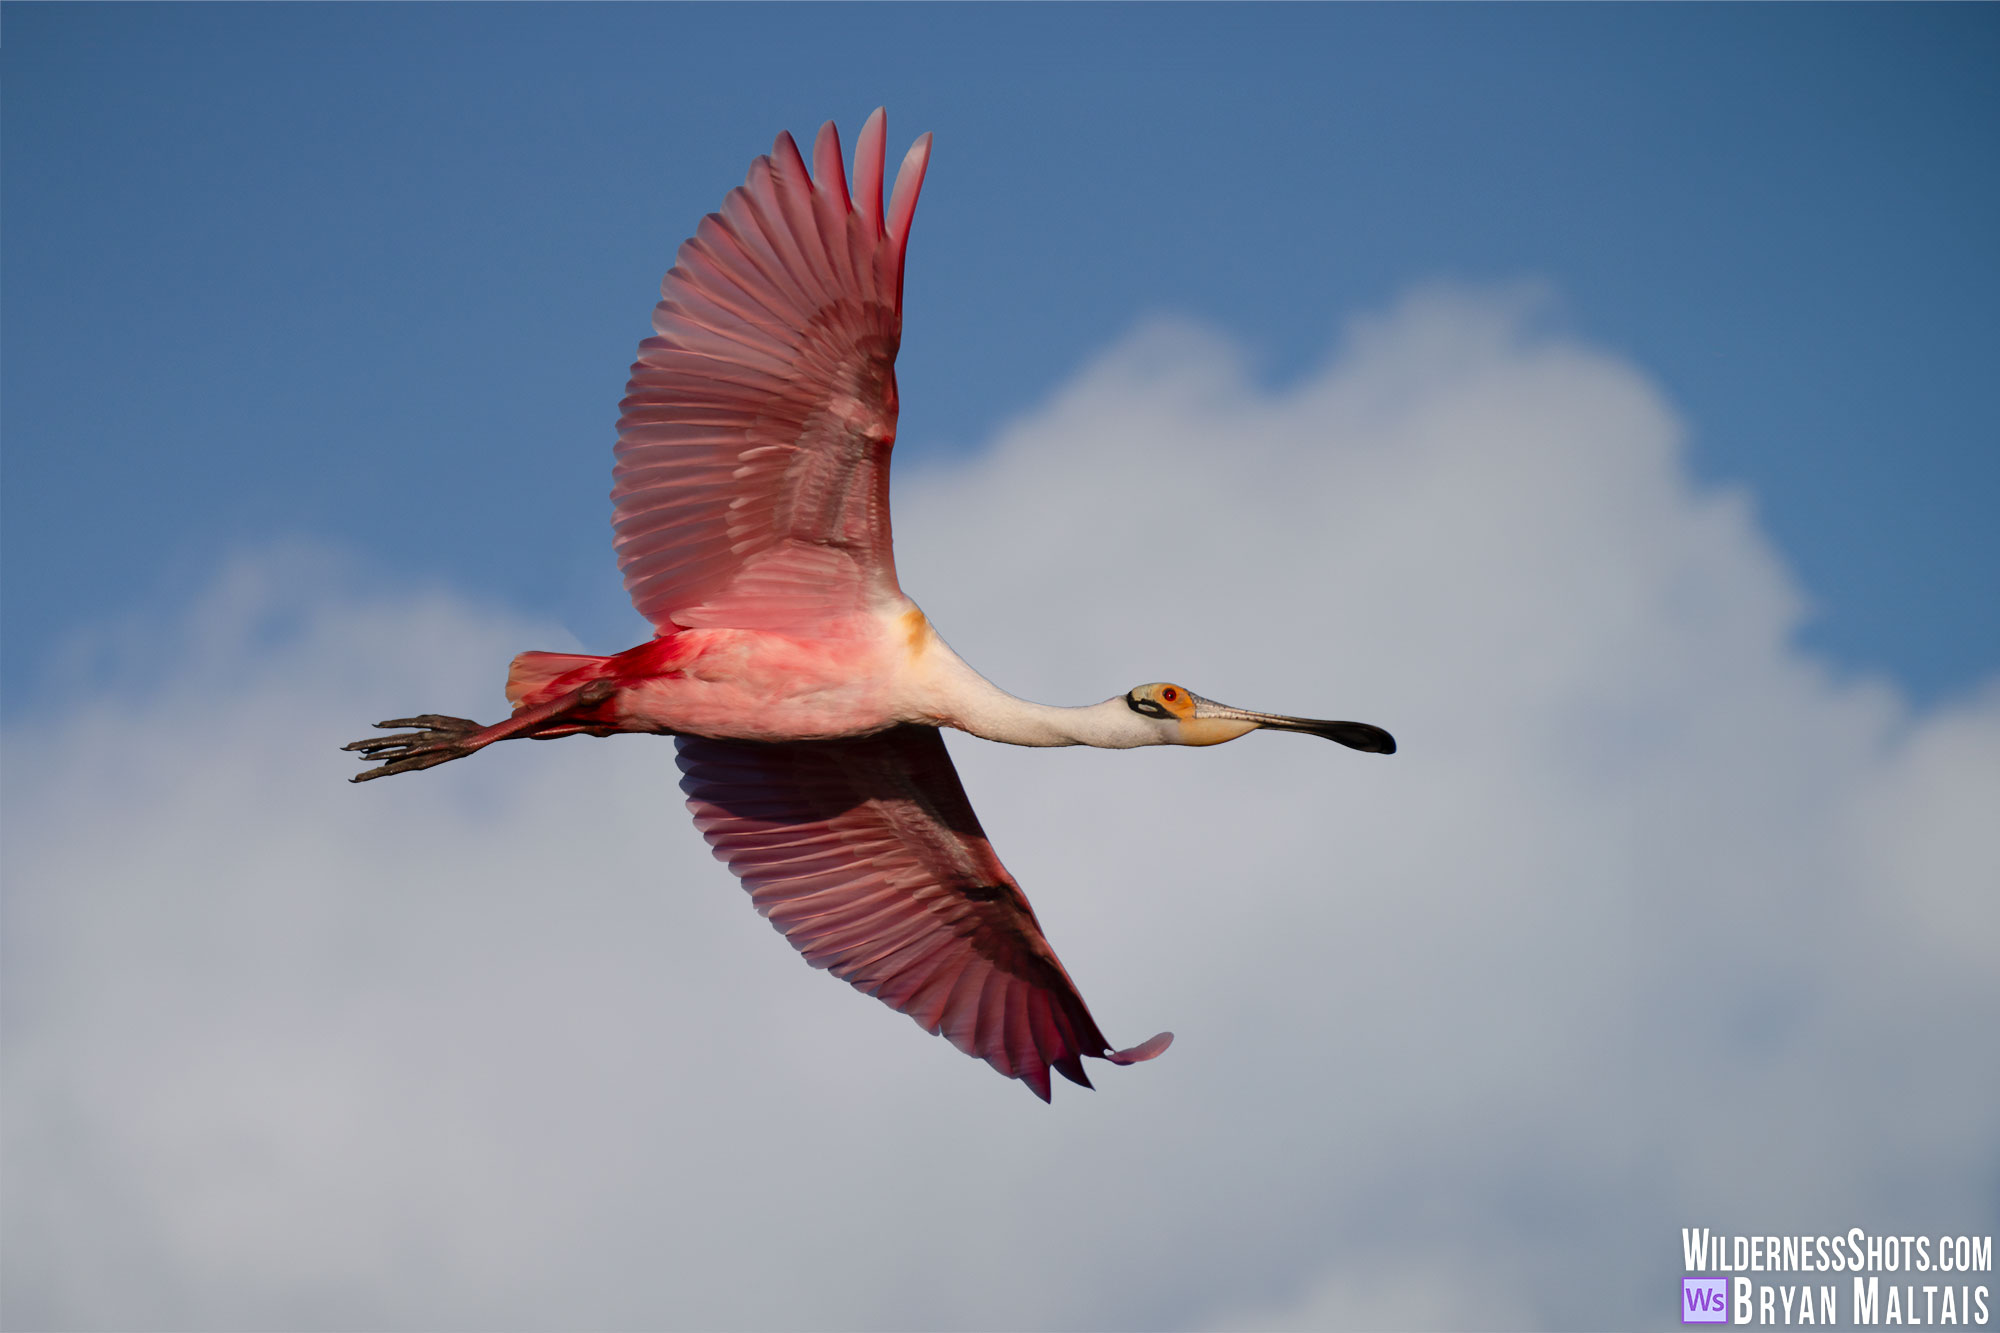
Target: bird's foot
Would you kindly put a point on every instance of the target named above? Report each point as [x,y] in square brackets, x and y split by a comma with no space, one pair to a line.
[436,740]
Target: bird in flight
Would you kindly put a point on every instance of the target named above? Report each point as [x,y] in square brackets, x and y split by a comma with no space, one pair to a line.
[804,691]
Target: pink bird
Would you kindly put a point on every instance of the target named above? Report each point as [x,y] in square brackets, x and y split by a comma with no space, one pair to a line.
[803,689]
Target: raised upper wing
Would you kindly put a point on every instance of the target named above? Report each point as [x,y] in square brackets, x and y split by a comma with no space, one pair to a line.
[752,481]
[865,854]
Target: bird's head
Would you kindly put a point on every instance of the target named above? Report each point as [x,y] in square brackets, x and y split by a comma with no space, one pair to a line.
[1182,717]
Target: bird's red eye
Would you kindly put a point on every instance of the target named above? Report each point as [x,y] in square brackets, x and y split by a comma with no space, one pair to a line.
[1170,695]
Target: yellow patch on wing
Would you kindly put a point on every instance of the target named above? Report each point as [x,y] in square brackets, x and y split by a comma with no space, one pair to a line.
[917,632]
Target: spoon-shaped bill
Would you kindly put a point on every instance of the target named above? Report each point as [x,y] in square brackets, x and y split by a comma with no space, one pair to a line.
[1354,735]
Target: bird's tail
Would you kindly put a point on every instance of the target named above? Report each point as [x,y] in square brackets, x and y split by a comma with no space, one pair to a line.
[535,678]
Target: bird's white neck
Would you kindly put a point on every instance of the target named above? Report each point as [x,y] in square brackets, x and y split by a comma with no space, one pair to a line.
[1108,726]
[964,699]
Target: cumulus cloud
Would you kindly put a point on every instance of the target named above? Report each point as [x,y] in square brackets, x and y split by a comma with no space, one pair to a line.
[1655,921]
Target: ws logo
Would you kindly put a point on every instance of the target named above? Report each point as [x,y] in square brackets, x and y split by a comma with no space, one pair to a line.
[1704,1300]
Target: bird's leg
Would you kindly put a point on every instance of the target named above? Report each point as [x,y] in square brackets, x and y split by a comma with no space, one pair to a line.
[437,739]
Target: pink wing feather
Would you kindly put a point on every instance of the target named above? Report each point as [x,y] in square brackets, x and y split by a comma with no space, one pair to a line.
[752,481]
[865,854]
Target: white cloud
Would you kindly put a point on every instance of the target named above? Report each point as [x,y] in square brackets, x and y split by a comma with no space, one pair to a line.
[1653,923]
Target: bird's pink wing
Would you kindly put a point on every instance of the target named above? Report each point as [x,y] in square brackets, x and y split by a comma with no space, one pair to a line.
[865,854]
[752,481]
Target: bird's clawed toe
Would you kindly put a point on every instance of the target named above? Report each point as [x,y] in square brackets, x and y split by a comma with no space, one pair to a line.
[435,739]
[432,722]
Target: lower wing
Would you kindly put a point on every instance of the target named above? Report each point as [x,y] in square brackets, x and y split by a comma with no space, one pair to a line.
[866,855]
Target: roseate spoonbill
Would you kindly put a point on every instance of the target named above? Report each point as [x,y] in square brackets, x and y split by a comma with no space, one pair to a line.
[803,689]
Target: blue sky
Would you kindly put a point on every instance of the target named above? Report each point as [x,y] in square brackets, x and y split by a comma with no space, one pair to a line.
[1595,396]
[372,275]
